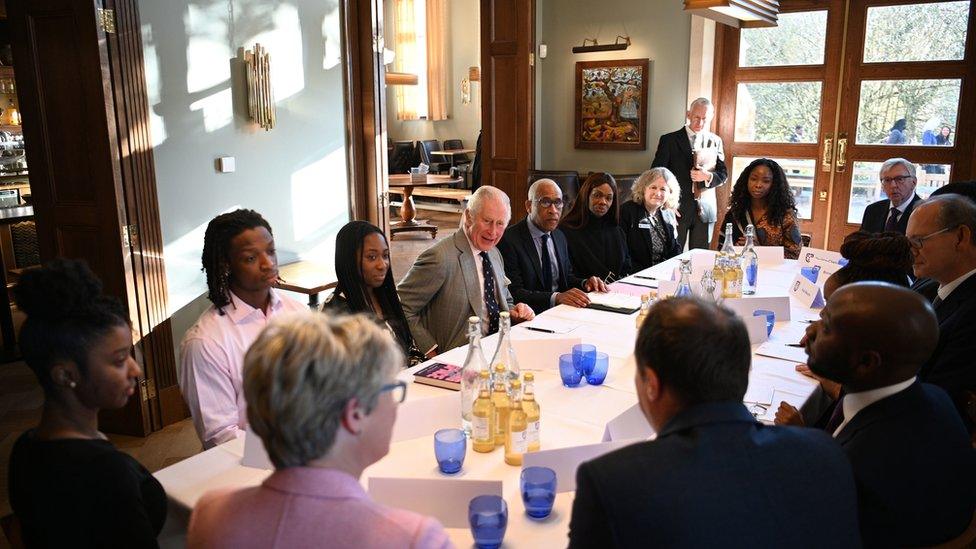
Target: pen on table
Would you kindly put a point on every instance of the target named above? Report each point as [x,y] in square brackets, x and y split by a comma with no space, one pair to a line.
[534,329]
[645,277]
[795,345]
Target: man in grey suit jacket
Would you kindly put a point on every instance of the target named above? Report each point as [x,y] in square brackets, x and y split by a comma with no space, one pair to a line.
[461,276]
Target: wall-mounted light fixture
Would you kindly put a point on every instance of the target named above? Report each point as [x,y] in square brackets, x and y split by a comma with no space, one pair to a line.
[260,95]
[737,13]
[596,46]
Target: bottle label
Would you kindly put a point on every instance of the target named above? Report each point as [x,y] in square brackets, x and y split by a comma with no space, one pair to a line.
[479,429]
[520,442]
[533,431]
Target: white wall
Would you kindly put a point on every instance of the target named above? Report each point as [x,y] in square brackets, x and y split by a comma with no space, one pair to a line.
[659,30]
[463,51]
[295,174]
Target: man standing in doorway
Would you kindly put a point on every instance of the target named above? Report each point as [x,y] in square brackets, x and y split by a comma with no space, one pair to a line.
[695,156]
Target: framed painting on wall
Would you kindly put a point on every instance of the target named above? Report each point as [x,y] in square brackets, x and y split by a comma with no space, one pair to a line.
[611,104]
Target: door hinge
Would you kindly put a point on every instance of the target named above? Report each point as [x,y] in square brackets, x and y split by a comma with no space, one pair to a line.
[130,236]
[147,389]
[106,20]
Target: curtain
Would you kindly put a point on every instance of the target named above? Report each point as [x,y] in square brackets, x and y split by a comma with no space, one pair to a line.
[437,85]
[405,47]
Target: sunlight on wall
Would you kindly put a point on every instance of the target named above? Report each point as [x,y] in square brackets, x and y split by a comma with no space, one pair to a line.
[218,110]
[184,279]
[284,44]
[157,126]
[318,195]
[331,34]
[207,53]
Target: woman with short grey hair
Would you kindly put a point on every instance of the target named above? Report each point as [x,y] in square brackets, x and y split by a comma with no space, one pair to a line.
[648,219]
[322,395]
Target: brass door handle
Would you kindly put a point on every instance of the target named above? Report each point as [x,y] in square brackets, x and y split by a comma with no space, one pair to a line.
[841,151]
[828,153]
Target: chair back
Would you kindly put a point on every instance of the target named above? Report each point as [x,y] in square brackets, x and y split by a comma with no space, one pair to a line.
[426,146]
[568,181]
[402,157]
[453,144]
[625,183]
[805,239]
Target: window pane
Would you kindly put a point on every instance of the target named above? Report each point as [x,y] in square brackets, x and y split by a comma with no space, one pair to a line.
[908,112]
[866,187]
[798,39]
[778,112]
[799,173]
[916,32]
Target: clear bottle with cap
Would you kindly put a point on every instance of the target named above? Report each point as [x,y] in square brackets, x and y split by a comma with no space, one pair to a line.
[750,263]
[727,249]
[504,352]
[516,435]
[474,363]
[483,416]
[532,411]
[708,284]
[684,285]
[499,398]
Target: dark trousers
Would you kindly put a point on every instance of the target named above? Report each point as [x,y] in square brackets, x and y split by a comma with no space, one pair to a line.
[700,232]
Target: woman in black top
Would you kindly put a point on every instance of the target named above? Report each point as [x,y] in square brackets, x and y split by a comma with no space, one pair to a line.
[596,243]
[648,218]
[362,262]
[69,486]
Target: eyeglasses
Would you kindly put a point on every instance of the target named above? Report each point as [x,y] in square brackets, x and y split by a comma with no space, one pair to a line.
[917,241]
[897,180]
[549,202]
[398,389]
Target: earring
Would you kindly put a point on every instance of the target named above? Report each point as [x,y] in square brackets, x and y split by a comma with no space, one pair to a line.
[72,384]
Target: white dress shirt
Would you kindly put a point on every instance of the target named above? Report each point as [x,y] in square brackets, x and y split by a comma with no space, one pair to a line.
[855,402]
[946,289]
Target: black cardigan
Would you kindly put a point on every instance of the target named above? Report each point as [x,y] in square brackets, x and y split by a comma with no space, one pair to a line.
[598,249]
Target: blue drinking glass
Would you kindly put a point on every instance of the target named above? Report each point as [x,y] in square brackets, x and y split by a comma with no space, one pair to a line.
[488,516]
[584,354]
[600,367]
[770,319]
[538,486]
[450,445]
[811,273]
[568,371]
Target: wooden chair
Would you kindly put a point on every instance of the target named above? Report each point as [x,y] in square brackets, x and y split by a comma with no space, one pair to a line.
[11,529]
[568,181]
[436,166]
[963,541]
[805,239]
[625,182]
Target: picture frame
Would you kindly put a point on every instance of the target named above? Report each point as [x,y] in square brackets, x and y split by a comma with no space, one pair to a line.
[611,104]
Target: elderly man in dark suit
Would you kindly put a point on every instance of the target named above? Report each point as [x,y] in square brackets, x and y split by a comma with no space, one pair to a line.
[942,233]
[912,458]
[898,182]
[714,476]
[461,276]
[695,156]
[537,258]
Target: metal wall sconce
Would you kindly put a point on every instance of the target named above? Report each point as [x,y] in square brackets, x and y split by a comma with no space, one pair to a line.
[260,95]
[596,46]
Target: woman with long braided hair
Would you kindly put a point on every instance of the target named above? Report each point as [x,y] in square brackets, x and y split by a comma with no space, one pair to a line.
[241,264]
[884,257]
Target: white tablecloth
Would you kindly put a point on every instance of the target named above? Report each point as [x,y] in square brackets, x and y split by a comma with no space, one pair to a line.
[570,417]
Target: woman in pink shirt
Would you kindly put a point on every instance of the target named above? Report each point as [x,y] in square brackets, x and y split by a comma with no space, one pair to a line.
[322,394]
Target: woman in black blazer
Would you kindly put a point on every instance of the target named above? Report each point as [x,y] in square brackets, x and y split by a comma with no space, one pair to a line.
[597,246]
[648,218]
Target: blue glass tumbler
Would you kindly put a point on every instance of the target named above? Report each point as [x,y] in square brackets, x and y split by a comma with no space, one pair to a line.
[568,370]
[488,516]
[538,486]
[584,354]
[600,367]
[450,446]
[770,319]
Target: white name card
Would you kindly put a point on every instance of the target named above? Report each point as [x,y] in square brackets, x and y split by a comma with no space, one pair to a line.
[745,306]
[539,351]
[421,418]
[629,425]
[444,499]
[809,255]
[806,293]
[565,461]
[254,453]
[756,326]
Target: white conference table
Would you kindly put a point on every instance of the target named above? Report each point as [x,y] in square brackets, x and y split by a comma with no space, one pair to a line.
[570,417]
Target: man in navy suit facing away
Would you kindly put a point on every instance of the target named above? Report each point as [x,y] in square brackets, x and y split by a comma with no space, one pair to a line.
[714,476]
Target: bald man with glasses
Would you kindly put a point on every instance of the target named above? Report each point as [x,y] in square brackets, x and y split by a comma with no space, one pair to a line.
[942,233]
[898,182]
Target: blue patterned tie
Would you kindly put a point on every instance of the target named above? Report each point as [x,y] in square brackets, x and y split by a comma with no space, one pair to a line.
[546,262]
[491,304]
[892,224]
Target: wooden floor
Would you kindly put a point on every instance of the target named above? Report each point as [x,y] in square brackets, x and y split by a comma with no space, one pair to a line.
[21,397]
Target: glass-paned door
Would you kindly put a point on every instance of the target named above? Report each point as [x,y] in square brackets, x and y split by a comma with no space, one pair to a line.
[779,105]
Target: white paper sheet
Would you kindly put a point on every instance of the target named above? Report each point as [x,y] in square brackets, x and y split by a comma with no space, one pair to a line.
[778,396]
[565,461]
[540,351]
[745,306]
[444,499]
[614,299]
[629,425]
[421,418]
[254,453]
[548,324]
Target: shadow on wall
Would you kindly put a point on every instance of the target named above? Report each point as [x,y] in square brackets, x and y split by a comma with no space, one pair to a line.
[295,174]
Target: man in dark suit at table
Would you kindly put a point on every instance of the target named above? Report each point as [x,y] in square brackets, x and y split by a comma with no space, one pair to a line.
[898,183]
[942,233]
[537,257]
[695,156]
[913,462]
[714,476]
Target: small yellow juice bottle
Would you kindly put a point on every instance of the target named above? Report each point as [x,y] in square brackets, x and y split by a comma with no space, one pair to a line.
[483,417]
[516,436]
